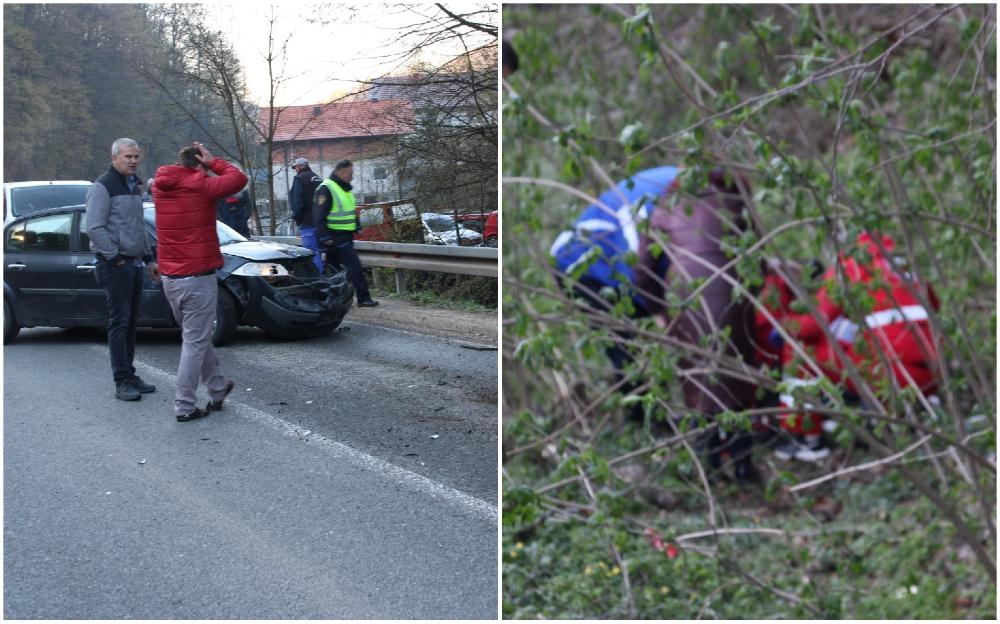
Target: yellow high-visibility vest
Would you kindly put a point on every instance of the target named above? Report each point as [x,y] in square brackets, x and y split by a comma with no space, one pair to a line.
[341,215]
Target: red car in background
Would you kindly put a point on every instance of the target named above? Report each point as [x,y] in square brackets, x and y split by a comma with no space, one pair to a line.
[491,231]
[399,221]
[388,221]
[472,220]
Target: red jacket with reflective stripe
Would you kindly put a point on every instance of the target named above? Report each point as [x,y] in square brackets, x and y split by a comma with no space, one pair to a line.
[776,296]
[187,242]
[906,343]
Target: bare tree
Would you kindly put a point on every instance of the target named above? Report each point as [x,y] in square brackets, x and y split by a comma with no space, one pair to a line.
[206,81]
[450,156]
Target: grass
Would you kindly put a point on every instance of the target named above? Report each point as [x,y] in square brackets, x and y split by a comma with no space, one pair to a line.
[878,554]
[440,290]
[435,300]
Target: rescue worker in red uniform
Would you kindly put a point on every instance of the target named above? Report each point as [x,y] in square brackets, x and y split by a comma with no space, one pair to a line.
[894,337]
[768,345]
[776,297]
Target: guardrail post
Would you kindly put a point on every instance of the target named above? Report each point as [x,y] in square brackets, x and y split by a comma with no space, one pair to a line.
[376,278]
[400,282]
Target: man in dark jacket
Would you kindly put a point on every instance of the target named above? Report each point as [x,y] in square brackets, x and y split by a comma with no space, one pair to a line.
[189,254]
[233,210]
[300,202]
[336,221]
[117,234]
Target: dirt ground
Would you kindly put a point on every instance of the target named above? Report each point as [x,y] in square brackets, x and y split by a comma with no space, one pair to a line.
[478,329]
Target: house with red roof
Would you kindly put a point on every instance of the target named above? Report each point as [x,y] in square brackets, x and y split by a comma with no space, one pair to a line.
[364,132]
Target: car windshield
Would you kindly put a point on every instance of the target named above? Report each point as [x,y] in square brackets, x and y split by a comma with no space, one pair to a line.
[29,199]
[440,223]
[227,234]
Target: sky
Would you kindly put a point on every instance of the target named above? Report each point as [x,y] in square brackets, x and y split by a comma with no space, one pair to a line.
[324,61]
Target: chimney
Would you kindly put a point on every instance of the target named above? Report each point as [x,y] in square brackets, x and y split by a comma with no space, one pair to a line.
[317,110]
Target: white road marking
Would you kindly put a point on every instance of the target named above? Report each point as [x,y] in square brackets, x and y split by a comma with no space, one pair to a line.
[476,506]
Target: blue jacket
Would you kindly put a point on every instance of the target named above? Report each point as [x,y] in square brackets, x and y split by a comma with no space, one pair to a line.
[611,236]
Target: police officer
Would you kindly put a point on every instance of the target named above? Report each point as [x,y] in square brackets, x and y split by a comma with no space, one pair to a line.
[336,221]
[300,200]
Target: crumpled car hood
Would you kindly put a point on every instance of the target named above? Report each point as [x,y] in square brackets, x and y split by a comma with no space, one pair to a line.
[261,250]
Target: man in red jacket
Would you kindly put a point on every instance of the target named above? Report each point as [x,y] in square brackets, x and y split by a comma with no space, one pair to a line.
[188,254]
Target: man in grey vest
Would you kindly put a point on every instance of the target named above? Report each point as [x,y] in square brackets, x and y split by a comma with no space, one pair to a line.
[117,232]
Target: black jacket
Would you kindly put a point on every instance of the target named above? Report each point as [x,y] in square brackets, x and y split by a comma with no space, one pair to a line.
[300,197]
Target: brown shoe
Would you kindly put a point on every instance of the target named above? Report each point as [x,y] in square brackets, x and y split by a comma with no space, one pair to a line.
[216,406]
[197,413]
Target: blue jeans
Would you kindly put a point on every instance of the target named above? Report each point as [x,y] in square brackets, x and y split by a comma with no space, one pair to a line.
[123,286]
[309,241]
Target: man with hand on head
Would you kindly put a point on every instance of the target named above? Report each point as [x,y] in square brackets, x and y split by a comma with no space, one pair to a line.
[189,254]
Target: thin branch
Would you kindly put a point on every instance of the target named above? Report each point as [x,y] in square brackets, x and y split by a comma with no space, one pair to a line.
[861,467]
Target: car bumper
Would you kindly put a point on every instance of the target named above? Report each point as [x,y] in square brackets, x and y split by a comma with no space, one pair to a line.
[294,309]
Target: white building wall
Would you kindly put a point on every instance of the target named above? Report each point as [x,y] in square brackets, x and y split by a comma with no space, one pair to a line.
[372,176]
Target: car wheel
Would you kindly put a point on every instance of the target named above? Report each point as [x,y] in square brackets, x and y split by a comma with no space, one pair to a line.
[10,326]
[491,242]
[225,319]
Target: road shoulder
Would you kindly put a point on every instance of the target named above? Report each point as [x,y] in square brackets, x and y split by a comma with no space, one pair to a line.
[472,327]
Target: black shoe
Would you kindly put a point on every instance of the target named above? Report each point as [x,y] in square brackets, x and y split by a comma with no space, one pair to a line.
[140,385]
[367,303]
[216,406]
[126,391]
[197,413]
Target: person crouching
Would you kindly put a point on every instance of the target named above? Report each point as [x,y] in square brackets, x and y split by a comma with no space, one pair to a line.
[892,344]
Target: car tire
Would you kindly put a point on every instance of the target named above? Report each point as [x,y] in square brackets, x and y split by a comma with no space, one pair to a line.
[10,326]
[490,242]
[225,319]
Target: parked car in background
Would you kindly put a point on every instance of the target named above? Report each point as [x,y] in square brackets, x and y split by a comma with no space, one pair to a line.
[491,231]
[49,281]
[441,229]
[473,220]
[22,198]
[388,221]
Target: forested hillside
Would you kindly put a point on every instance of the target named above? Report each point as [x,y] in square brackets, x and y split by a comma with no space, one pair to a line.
[79,76]
[842,120]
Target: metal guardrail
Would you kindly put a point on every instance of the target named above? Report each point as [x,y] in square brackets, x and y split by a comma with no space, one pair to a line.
[482,261]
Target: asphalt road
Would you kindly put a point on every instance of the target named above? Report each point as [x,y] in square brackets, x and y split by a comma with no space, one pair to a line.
[353,476]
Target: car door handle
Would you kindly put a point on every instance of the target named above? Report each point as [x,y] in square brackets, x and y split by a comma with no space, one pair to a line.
[17,266]
[85,267]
